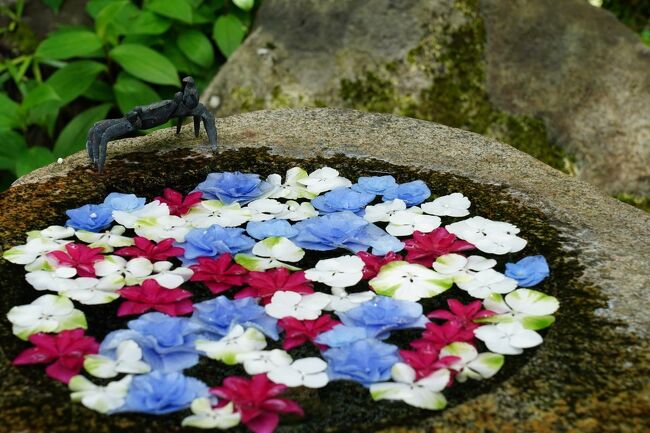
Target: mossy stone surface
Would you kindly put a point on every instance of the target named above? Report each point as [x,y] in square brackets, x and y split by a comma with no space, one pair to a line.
[591,374]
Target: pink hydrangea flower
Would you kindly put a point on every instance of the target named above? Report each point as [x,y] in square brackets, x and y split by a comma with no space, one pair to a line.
[461,314]
[219,274]
[435,337]
[64,352]
[425,361]
[263,285]
[80,257]
[257,401]
[150,250]
[152,296]
[177,204]
[425,248]
[298,332]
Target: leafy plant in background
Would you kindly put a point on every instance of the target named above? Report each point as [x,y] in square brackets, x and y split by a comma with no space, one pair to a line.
[134,55]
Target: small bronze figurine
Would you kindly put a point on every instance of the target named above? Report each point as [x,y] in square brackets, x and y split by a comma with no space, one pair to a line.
[185,103]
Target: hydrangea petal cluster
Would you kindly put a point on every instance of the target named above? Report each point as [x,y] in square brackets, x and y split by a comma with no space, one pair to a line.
[336,271]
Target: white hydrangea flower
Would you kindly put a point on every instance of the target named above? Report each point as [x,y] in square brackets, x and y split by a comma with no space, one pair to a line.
[383,211]
[291,188]
[210,212]
[453,205]
[409,282]
[424,393]
[508,338]
[405,222]
[462,268]
[324,179]
[271,253]
[471,364]
[298,211]
[292,304]
[531,308]
[307,372]
[128,359]
[342,301]
[237,341]
[154,222]
[138,269]
[56,280]
[494,237]
[94,291]
[108,240]
[344,271]
[263,361]
[207,417]
[103,399]
[52,233]
[266,209]
[484,283]
[49,313]
[35,249]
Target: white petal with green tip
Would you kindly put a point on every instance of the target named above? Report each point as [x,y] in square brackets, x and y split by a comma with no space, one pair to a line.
[409,282]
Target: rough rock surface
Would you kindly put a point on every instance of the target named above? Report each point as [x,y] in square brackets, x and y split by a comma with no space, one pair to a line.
[562,81]
[592,374]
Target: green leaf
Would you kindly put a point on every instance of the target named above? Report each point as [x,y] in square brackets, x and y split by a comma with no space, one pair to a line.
[12,145]
[99,91]
[55,5]
[9,113]
[228,32]
[33,158]
[183,64]
[116,19]
[44,115]
[73,136]
[94,7]
[245,5]
[196,46]
[39,95]
[69,43]
[149,23]
[74,79]
[146,64]
[131,92]
[179,10]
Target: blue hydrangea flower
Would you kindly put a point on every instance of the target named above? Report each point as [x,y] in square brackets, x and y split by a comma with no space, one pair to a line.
[124,202]
[528,271]
[412,193]
[230,187]
[383,314]
[365,361]
[90,217]
[377,185]
[215,240]
[160,393]
[167,343]
[344,230]
[342,335]
[342,199]
[215,317]
[271,228]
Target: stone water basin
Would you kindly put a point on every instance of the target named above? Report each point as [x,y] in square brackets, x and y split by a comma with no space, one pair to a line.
[590,375]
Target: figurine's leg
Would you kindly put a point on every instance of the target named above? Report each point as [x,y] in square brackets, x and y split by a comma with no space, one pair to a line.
[197,125]
[208,123]
[94,135]
[179,124]
[119,128]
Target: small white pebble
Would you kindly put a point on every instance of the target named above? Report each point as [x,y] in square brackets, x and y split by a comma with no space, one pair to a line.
[262,51]
[59,161]
[214,101]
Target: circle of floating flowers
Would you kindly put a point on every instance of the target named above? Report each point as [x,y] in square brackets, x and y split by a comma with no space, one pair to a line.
[246,270]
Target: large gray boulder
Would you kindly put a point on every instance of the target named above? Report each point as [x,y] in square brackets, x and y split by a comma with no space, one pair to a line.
[562,81]
[591,375]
